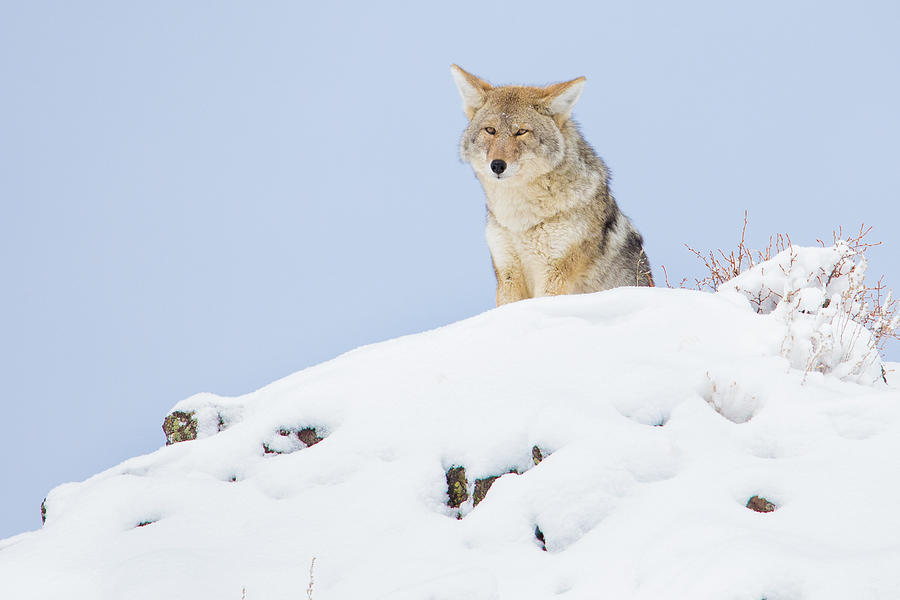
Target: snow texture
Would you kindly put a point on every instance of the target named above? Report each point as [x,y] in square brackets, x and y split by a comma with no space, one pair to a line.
[658,414]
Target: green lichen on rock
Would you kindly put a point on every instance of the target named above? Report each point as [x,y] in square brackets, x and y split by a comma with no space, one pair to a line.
[179,426]
[456,487]
[43,511]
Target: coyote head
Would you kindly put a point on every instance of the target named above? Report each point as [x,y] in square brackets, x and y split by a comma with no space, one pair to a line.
[514,132]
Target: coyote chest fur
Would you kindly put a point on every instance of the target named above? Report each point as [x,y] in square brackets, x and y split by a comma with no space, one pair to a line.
[553,227]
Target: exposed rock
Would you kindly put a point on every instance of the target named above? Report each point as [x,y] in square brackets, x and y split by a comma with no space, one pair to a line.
[456,487]
[43,511]
[179,426]
[309,437]
[539,535]
[291,440]
[212,413]
[481,488]
[536,455]
[483,485]
[760,504]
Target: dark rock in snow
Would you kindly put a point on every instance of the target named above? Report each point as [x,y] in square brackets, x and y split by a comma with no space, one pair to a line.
[760,504]
[309,437]
[539,535]
[481,488]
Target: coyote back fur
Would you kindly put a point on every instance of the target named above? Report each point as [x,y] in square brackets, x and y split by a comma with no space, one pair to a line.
[553,227]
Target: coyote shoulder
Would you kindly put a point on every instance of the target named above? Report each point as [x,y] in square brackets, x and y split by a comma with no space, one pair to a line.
[553,227]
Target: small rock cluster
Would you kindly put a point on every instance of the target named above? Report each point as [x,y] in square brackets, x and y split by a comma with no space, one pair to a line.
[287,438]
[458,489]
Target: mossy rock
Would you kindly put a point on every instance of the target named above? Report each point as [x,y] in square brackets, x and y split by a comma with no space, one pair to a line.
[180,426]
[456,487]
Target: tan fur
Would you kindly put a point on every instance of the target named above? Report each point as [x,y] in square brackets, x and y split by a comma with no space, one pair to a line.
[553,227]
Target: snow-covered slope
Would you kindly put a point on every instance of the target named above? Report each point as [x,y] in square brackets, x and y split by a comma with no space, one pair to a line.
[657,415]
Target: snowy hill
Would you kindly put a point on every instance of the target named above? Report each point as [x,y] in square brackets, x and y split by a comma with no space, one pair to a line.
[628,430]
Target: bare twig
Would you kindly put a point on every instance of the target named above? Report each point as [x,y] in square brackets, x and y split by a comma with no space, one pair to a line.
[724,266]
[309,588]
[666,277]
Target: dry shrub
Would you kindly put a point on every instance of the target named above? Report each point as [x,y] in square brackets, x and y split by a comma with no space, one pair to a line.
[724,266]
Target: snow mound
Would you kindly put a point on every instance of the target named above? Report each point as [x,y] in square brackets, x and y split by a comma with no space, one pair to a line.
[821,297]
[620,436]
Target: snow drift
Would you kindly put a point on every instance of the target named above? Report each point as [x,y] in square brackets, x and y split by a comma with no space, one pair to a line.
[627,430]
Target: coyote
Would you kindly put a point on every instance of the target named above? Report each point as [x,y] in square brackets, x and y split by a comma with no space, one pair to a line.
[553,227]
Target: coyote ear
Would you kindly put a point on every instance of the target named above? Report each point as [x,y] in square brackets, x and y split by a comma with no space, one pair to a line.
[472,89]
[561,97]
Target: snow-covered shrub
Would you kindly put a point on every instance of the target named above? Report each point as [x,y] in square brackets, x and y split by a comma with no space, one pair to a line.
[834,322]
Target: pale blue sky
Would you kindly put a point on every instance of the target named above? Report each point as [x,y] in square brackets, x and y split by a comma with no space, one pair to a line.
[206,196]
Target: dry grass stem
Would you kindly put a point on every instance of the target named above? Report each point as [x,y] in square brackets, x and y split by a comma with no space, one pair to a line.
[309,588]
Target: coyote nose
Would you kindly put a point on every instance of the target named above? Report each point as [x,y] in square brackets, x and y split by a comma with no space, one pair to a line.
[498,166]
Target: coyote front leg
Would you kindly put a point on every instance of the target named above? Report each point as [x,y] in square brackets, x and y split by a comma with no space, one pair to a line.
[510,284]
[562,273]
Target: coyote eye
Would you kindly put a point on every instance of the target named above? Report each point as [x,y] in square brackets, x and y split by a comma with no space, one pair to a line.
[490,130]
[522,132]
